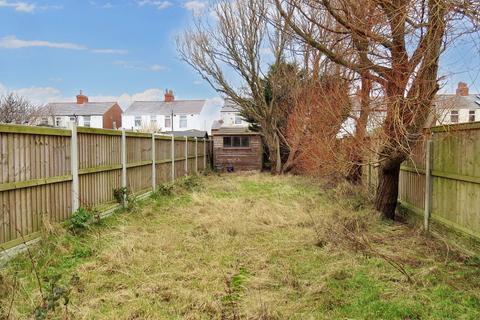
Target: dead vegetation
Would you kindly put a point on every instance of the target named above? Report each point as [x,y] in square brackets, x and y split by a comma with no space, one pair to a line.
[249,246]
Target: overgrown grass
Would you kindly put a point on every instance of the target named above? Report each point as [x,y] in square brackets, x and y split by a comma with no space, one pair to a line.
[247,246]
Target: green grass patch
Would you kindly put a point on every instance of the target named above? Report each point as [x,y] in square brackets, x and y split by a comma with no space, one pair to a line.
[243,246]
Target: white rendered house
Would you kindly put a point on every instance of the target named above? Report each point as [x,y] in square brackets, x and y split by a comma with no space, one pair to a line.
[168,115]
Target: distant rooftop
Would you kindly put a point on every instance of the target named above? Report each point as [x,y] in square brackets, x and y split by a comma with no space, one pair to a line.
[72,108]
[80,108]
[230,106]
[165,108]
[190,133]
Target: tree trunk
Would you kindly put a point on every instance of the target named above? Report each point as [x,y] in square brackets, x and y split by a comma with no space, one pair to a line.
[387,189]
[354,175]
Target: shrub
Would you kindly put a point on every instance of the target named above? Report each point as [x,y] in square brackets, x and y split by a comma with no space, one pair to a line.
[165,189]
[190,183]
[53,296]
[80,220]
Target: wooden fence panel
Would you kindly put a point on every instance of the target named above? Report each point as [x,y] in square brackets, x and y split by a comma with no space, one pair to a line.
[34,179]
[99,158]
[36,173]
[456,177]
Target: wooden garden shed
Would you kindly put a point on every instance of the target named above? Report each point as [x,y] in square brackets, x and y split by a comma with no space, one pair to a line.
[237,149]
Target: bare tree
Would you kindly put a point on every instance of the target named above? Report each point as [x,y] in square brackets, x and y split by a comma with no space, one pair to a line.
[397,44]
[17,110]
[233,53]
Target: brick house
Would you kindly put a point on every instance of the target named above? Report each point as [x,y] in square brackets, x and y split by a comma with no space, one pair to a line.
[106,115]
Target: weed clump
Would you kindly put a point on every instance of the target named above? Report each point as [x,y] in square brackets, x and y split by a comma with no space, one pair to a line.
[190,183]
[81,220]
[55,295]
[165,189]
[126,198]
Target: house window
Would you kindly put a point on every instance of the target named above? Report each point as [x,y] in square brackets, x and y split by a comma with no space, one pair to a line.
[44,121]
[236,142]
[238,119]
[86,121]
[168,121]
[138,121]
[73,119]
[153,121]
[183,121]
[58,121]
[454,116]
[471,115]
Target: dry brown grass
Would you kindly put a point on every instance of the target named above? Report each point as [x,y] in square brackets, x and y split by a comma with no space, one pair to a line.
[252,246]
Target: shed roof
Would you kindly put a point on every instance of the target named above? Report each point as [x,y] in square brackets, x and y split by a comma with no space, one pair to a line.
[234,131]
[165,108]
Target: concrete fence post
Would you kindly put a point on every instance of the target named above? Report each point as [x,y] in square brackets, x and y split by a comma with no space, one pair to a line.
[186,156]
[204,154]
[428,185]
[173,157]
[154,169]
[123,150]
[369,175]
[74,164]
[196,155]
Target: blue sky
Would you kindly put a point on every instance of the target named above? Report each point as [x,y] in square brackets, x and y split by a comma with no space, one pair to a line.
[51,49]
[125,50]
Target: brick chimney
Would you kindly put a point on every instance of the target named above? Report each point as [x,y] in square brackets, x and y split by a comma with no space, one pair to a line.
[81,98]
[462,89]
[169,97]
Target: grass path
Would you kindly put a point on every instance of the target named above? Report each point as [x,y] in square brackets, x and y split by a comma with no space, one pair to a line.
[248,247]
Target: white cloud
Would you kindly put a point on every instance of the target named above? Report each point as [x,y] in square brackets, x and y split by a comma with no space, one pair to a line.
[36,95]
[18,6]
[197,7]
[135,65]
[159,4]
[106,5]
[12,42]
[156,67]
[110,51]
[126,99]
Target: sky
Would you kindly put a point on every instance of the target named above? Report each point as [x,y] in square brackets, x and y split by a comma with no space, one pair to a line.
[124,50]
[112,50]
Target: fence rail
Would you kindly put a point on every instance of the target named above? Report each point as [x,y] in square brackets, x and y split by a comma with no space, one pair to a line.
[47,173]
[449,190]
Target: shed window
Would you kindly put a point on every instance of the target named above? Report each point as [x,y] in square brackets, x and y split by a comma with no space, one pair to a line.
[236,142]
[454,116]
[471,115]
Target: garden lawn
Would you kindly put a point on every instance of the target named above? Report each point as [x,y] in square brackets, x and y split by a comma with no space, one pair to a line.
[244,246]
